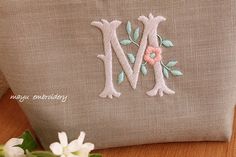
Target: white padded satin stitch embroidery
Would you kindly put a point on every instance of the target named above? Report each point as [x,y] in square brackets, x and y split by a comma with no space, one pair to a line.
[149,52]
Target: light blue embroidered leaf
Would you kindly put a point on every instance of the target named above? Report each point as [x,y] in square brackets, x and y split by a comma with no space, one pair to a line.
[167,43]
[125,42]
[165,72]
[128,27]
[176,73]
[136,34]
[171,63]
[144,69]
[121,77]
[131,57]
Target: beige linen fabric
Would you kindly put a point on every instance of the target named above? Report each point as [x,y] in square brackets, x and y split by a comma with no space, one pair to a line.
[3,85]
[49,47]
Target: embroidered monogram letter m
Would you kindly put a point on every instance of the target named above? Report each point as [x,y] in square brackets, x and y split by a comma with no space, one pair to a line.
[149,41]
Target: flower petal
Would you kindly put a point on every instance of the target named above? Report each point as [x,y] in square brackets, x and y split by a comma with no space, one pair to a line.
[83,154]
[63,139]
[74,146]
[56,148]
[158,58]
[81,137]
[14,142]
[158,50]
[72,155]
[146,58]
[151,61]
[86,149]
[14,152]
[88,146]
[150,48]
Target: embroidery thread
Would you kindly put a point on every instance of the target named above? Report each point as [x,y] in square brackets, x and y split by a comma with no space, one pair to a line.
[149,51]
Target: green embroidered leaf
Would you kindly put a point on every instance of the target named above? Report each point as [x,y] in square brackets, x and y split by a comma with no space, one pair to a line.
[165,72]
[121,77]
[95,155]
[171,63]
[40,154]
[176,73]
[144,69]
[136,34]
[128,27]
[29,142]
[131,57]
[167,43]
[125,42]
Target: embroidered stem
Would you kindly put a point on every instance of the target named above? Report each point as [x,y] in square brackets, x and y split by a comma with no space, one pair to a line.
[160,40]
[165,66]
[144,63]
[136,44]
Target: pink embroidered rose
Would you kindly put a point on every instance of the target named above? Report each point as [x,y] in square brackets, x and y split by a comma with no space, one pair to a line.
[152,55]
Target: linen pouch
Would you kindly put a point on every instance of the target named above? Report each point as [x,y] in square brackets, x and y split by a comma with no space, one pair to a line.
[169,67]
[3,85]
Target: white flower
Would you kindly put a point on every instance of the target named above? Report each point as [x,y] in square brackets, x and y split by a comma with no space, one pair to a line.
[11,150]
[75,148]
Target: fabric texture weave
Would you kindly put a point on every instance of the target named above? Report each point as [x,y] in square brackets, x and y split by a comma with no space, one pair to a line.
[49,47]
[3,85]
